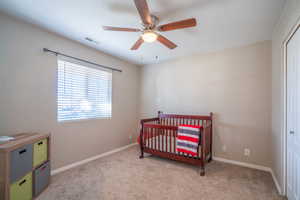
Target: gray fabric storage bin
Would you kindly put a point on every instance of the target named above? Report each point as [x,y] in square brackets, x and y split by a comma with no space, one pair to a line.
[41,178]
[21,162]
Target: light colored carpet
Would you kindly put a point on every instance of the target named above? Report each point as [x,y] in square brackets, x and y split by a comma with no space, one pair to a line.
[124,176]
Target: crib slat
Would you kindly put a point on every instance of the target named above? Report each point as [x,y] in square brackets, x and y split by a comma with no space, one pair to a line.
[167,138]
[145,136]
[162,142]
[170,141]
[167,142]
[158,136]
[159,133]
[144,140]
[152,137]
[155,138]
[148,137]
[174,141]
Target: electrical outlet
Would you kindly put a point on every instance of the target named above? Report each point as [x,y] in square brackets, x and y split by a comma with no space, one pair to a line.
[224,148]
[247,152]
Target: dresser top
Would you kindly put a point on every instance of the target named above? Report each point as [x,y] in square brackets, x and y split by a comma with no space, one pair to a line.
[21,140]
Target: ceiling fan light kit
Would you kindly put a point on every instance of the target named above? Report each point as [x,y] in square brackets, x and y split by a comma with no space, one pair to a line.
[149,36]
[149,23]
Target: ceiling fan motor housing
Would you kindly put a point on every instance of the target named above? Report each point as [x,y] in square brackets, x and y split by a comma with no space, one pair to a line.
[155,21]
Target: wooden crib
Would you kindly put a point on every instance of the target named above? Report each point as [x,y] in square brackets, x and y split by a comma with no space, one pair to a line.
[158,137]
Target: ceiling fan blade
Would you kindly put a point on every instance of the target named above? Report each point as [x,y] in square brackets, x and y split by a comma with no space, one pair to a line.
[178,25]
[166,42]
[111,28]
[137,44]
[144,12]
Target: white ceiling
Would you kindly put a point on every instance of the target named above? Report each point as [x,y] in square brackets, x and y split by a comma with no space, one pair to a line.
[221,23]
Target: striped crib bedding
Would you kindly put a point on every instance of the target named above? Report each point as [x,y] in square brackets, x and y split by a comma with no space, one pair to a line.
[188,139]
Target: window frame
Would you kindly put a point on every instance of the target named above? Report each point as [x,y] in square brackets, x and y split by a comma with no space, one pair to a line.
[88,65]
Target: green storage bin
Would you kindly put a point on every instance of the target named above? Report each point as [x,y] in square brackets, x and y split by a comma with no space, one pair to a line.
[22,189]
[40,152]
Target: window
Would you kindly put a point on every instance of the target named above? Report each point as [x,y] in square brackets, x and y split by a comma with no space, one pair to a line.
[83,91]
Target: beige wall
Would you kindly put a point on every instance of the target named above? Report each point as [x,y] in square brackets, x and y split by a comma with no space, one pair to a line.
[234,84]
[290,15]
[28,94]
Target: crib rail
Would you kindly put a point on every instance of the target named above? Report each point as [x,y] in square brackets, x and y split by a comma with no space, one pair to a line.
[153,120]
[160,137]
[176,120]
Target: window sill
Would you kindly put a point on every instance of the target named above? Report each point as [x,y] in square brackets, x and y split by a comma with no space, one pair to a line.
[83,120]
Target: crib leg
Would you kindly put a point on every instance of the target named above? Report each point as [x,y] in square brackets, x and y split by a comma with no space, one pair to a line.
[142,154]
[202,170]
[210,158]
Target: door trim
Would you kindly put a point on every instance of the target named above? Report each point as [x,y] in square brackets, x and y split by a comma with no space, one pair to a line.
[294,29]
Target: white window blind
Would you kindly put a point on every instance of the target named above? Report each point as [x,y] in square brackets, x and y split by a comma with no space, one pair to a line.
[83,92]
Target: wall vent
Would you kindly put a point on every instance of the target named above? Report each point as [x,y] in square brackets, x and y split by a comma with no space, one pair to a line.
[91,40]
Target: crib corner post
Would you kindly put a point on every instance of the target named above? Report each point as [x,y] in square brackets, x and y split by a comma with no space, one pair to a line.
[211,137]
[159,113]
[141,140]
[142,155]
[202,170]
[203,151]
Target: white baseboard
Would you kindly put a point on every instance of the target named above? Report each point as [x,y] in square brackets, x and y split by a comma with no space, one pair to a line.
[76,164]
[253,166]
[276,183]
[243,164]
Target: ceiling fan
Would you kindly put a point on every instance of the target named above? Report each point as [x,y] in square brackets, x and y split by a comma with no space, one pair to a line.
[150,28]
